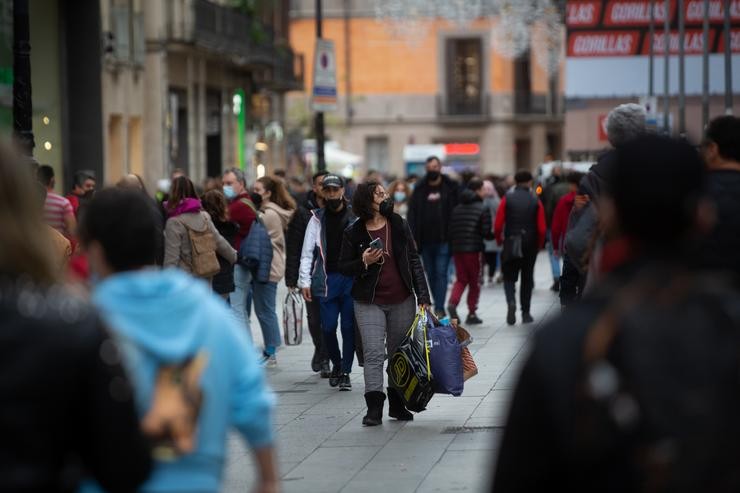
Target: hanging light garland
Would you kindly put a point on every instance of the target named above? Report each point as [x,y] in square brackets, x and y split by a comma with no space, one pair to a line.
[522,25]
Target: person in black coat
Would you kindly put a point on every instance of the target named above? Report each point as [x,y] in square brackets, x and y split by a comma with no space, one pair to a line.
[389,283]
[67,407]
[214,203]
[470,224]
[635,388]
[293,247]
[430,208]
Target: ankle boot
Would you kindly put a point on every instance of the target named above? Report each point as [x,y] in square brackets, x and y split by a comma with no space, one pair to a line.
[374,401]
[396,409]
[511,315]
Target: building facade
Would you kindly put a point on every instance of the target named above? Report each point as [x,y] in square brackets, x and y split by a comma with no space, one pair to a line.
[447,85]
[148,86]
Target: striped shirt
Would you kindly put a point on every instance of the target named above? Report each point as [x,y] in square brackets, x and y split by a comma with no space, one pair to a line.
[55,209]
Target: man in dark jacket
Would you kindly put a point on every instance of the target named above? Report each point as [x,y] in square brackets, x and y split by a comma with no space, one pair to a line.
[721,149]
[471,223]
[430,209]
[635,388]
[520,227]
[293,246]
[555,188]
[623,124]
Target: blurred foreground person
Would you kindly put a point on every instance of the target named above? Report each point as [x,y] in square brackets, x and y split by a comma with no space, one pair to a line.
[636,387]
[66,402]
[721,149]
[195,373]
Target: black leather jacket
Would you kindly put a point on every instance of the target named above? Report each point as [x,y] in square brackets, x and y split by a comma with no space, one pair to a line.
[355,241]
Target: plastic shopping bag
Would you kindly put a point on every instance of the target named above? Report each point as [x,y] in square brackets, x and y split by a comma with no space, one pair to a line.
[446,360]
[409,369]
[293,319]
[470,369]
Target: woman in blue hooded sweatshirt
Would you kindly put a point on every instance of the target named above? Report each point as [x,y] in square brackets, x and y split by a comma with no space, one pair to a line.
[163,321]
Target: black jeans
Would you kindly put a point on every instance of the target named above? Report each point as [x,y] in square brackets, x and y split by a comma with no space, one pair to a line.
[511,270]
[571,283]
[313,314]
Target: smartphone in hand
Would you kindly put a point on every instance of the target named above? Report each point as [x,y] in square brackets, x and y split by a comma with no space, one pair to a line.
[377,244]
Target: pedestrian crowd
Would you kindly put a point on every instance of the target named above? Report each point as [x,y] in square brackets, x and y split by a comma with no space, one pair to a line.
[139,307]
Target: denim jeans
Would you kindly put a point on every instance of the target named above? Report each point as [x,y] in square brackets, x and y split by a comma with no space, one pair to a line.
[339,302]
[436,257]
[264,295]
[241,298]
[554,261]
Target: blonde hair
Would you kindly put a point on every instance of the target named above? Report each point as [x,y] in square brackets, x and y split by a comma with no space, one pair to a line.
[280,195]
[26,248]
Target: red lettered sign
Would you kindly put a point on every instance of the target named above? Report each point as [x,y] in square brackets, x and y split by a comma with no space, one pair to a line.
[603,43]
[583,14]
[693,43]
[695,11]
[734,41]
[636,12]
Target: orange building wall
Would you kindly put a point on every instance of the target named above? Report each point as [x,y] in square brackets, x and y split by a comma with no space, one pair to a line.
[383,64]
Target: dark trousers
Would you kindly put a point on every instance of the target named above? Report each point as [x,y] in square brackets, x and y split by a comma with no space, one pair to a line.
[313,314]
[436,258]
[339,302]
[511,270]
[492,262]
[571,282]
[467,274]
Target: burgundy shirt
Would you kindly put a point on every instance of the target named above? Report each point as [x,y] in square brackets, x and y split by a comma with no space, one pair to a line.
[390,290]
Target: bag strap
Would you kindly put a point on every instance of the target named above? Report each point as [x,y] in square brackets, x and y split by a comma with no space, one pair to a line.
[257,213]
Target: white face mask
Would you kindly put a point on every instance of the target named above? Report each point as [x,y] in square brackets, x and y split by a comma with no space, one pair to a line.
[229,192]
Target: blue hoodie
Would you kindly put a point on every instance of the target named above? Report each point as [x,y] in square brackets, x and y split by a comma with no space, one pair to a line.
[162,317]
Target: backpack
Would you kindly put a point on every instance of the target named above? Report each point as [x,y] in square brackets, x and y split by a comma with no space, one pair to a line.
[255,252]
[203,260]
[582,226]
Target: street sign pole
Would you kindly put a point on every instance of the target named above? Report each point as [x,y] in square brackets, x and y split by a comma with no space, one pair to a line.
[320,159]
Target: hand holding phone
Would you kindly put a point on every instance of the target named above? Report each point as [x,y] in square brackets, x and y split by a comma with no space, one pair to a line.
[376,244]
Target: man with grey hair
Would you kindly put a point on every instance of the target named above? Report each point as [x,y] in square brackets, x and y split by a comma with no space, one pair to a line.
[623,124]
[243,212]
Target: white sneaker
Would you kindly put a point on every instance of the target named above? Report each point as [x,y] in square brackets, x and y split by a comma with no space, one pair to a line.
[268,361]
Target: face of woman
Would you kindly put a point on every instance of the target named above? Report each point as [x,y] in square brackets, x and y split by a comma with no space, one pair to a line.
[260,190]
[379,195]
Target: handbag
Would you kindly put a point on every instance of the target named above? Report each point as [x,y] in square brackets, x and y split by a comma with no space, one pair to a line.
[203,259]
[512,248]
[446,360]
[409,369]
[293,319]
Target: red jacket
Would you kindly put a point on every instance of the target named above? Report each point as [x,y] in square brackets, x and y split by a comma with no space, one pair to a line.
[243,215]
[560,220]
[501,220]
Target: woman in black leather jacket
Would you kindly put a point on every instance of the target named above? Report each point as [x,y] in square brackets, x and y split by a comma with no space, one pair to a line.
[389,282]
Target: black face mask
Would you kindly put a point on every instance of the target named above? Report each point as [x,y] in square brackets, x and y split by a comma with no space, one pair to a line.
[334,204]
[386,207]
[256,199]
[432,175]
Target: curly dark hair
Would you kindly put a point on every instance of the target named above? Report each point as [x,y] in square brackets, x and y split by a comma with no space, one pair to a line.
[363,199]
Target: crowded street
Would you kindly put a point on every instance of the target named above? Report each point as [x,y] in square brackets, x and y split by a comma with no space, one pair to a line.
[322,446]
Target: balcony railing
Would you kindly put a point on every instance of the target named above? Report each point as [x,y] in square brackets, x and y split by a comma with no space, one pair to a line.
[463,109]
[227,31]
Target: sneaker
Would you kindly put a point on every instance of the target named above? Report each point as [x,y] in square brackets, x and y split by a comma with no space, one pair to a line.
[511,315]
[527,318]
[316,361]
[344,382]
[268,360]
[336,374]
[452,310]
[473,319]
[325,369]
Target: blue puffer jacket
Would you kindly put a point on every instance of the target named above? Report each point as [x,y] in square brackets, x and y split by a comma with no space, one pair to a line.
[255,252]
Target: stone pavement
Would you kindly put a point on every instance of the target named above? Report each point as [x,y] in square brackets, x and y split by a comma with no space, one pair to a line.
[323,447]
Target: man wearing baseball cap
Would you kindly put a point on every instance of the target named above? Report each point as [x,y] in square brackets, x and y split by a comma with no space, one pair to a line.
[319,276]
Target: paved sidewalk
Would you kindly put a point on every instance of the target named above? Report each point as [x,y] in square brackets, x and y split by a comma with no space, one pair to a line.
[323,447]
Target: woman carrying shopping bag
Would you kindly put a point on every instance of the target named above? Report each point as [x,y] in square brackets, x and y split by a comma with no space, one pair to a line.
[379,252]
[276,207]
